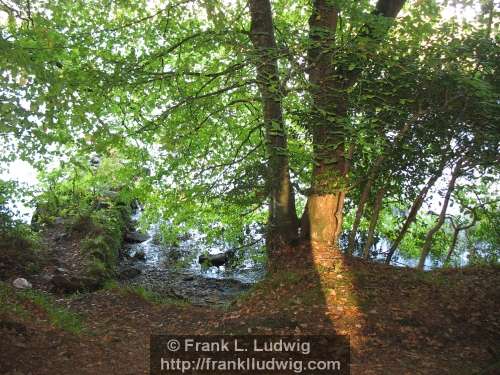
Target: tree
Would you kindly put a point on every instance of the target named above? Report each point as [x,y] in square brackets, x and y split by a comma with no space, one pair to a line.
[457,170]
[246,114]
[412,214]
[457,228]
[283,222]
[329,84]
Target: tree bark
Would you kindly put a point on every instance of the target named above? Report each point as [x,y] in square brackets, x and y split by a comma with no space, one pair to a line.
[359,214]
[374,170]
[442,215]
[323,222]
[377,206]
[456,231]
[412,215]
[283,222]
[326,200]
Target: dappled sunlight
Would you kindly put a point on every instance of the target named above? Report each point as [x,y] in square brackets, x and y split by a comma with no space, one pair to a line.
[184,167]
[337,282]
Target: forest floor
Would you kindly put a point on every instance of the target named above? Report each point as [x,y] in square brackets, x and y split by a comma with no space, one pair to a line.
[399,320]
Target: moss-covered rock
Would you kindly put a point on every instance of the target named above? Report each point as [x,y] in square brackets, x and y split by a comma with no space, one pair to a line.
[101,245]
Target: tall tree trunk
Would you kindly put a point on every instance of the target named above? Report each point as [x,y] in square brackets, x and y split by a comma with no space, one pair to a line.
[377,206]
[454,239]
[374,170]
[365,193]
[412,215]
[283,222]
[456,231]
[328,85]
[442,215]
[326,200]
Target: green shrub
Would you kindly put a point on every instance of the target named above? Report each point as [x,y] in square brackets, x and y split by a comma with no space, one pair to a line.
[20,246]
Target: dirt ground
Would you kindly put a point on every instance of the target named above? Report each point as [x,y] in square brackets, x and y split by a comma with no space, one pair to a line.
[399,321]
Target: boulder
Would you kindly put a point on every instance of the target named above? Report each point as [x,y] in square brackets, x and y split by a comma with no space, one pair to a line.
[21,283]
[139,255]
[45,278]
[135,237]
[70,284]
[216,260]
[129,273]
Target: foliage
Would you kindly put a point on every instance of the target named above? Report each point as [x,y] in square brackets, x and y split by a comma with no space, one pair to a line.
[94,203]
[103,240]
[481,242]
[166,94]
[19,245]
[75,187]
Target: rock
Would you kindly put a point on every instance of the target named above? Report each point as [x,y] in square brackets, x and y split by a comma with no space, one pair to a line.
[61,236]
[123,253]
[21,283]
[60,270]
[70,284]
[63,283]
[216,260]
[45,278]
[59,220]
[136,237]
[129,273]
[139,255]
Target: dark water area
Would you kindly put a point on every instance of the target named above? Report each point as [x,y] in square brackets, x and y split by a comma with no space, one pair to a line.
[174,270]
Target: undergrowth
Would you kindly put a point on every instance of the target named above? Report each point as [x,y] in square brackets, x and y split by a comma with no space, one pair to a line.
[16,305]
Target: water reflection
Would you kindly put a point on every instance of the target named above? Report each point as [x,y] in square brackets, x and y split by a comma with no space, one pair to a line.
[380,249]
[247,265]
